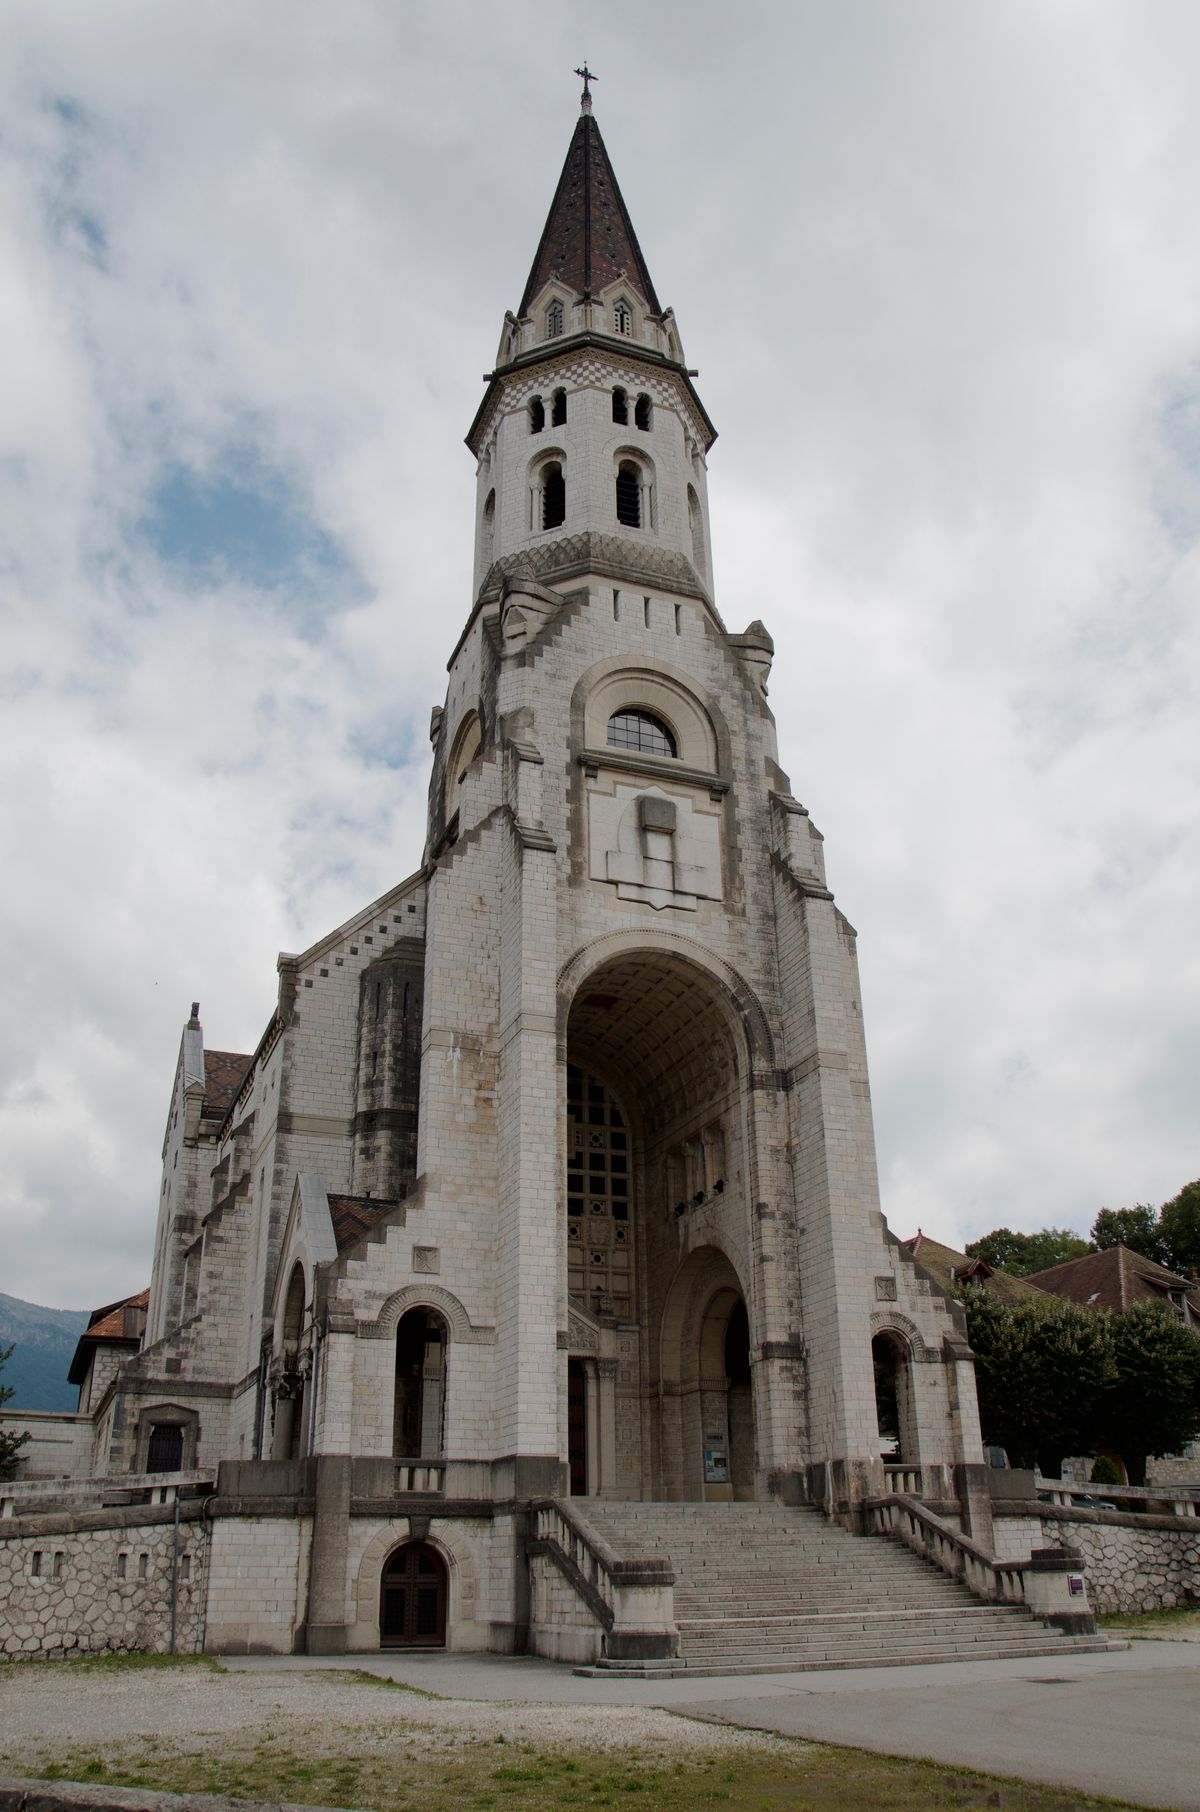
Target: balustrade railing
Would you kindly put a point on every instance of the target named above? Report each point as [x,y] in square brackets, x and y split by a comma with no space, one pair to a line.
[1001,1582]
[1184,1500]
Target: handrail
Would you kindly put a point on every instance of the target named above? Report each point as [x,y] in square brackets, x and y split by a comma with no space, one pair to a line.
[1184,1497]
[921,1529]
[586,1560]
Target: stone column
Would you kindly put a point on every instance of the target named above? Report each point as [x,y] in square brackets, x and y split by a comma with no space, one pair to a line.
[327,1622]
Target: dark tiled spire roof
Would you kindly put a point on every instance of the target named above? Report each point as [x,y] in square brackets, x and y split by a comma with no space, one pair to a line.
[588,240]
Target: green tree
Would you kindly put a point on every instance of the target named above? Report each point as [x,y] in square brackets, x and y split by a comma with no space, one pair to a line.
[1152,1404]
[1137,1227]
[1021,1253]
[10,1444]
[1179,1220]
[1042,1370]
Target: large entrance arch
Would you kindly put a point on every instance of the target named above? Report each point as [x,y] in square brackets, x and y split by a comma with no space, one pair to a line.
[658,1168]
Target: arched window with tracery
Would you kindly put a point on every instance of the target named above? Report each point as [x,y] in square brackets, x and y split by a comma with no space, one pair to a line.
[642,732]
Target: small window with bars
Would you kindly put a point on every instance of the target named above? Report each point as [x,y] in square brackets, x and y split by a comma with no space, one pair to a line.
[554,320]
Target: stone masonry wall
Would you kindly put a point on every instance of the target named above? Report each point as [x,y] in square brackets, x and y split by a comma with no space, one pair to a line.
[101,1590]
[1132,1563]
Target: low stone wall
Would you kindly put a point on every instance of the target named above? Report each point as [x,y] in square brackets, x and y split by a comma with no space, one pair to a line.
[59,1445]
[100,1583]
[1133,1563]
[561,1627]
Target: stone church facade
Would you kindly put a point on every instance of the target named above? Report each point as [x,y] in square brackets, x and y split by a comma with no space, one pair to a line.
[553,1172]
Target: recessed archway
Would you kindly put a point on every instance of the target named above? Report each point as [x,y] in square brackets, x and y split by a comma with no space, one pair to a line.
[655,1128]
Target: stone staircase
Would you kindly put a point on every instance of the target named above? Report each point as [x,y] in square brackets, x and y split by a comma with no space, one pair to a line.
[764,1589]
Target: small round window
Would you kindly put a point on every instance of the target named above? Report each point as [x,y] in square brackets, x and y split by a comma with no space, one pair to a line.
[642,731]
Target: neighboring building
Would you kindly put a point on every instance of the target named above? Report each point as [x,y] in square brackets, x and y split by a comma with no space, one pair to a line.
[951,1270]
[553,1171]
[1116,1278]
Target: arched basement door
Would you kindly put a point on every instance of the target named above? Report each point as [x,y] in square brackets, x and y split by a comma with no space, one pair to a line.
[412,1598]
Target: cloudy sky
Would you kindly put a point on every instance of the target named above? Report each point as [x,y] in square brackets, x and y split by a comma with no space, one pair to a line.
[939,269]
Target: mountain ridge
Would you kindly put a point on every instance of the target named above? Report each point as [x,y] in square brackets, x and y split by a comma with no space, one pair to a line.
[43,1342]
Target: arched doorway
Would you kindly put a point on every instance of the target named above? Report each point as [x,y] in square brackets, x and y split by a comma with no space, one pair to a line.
[291,1374]
[656,1120]
[420,1397]
[708,1427]
[412,1598]
[895,1406]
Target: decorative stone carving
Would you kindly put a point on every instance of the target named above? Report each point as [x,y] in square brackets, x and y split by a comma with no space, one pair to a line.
[658,848]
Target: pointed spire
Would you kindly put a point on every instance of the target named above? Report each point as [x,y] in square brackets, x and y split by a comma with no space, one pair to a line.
[588,240]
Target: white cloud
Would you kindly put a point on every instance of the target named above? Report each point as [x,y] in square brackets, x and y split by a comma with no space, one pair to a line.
[936,266]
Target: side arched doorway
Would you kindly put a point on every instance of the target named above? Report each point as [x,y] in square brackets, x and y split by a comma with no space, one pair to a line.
[420,1400]
[412,1598]
[708,1431]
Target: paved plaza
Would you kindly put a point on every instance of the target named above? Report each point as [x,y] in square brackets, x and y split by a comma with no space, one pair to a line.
[1126,1724]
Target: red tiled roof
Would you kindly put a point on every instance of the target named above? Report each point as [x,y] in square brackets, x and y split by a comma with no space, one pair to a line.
[588,240]
[948,1268]
[224,1074]
[109,1324]
[355,1215]
[1113,1279]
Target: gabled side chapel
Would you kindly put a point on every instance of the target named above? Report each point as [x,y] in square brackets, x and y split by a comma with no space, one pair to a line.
[553,1173]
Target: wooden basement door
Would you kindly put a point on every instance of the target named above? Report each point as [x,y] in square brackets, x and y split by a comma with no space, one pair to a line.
[412,1598]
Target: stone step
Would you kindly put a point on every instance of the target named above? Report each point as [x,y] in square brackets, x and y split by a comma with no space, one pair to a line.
[1017,1651]
[764,1589]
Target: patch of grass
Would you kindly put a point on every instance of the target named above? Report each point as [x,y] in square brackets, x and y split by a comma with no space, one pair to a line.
[790,1777]
[1152,1623]
[361,1676]
[109,1664]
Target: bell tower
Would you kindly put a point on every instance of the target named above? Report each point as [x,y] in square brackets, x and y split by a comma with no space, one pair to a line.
[645,1145]
[591,438]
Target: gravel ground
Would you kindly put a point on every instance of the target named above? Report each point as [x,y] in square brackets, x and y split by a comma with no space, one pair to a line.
[45,1712]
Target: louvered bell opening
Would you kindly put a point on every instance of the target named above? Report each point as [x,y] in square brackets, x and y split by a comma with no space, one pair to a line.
[629,497]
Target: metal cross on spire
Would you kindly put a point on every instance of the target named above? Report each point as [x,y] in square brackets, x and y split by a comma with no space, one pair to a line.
[588,79]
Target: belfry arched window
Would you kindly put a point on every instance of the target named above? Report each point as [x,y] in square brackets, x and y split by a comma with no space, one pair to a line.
[696,524]
[537,415]
[629,494]
[551,502]
[642,417]
[487,533]
[554,320]
[620,406]
[642,732]
[558,410]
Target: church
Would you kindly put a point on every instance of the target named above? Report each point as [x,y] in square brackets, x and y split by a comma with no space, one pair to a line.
[551,1184]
